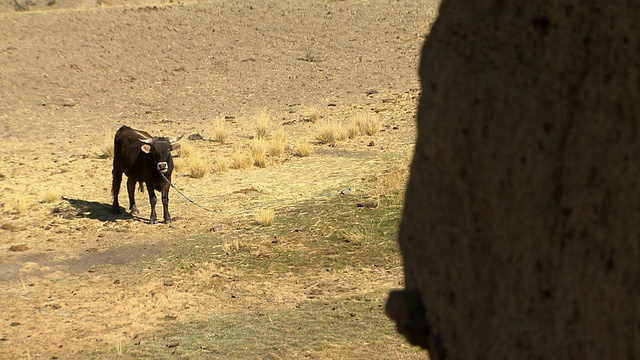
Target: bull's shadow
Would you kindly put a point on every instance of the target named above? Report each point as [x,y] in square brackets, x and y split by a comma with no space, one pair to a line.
[93,210]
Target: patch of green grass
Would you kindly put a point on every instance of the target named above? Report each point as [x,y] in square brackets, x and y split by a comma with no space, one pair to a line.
[313,284]
[316,329]
[325,233]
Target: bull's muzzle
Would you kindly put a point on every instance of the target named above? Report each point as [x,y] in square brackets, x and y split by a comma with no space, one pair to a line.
[163,167]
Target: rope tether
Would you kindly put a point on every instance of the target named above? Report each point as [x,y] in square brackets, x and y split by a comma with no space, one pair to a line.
[333,193]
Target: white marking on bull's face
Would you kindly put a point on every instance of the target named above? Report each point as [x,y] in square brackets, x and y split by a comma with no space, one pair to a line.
[163,167]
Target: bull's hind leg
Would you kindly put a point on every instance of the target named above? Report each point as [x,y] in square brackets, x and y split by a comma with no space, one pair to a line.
[115,189]
[131,189]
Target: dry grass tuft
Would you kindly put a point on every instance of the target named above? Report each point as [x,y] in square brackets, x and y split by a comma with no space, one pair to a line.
[187,158]
[258,151]
[219,132]
[220,164]
[105,149]
[330,133]
[50,196]
[231,247]
[354,130]
[394,180]
[260,160]
[265,217]
[197,167]
[186,150]
[302,149]
[18,206]
[368,124]
[278,143]
[241,159]
[354,235]
[263,126]
[311,114]
[178,164]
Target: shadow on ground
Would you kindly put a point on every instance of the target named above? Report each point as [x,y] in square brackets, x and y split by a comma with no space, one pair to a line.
[93,210]
[94,259]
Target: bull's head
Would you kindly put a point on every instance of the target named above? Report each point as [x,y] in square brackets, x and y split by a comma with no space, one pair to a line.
[160,148]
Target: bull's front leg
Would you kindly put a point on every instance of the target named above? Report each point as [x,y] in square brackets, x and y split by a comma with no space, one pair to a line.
[131,190]
[165,204]
[152,201]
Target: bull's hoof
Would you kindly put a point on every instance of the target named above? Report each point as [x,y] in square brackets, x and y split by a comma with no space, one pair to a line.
[167,221]
[135,212]
[153,221]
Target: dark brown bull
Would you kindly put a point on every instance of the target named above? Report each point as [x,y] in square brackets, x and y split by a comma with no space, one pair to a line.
[144,159]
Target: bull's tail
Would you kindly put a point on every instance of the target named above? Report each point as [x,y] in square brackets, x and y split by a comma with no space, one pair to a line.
[140,186]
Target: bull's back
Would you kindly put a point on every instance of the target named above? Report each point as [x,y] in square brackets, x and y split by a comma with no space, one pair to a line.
[126,136]
[127,154]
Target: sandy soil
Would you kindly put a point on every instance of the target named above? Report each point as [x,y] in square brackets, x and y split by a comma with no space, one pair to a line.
[72,72]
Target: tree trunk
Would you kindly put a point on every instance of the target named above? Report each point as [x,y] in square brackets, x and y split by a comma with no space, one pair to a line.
[521,228]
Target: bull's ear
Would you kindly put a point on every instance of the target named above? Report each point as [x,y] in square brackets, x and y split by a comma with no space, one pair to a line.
[175,147]
[146,148]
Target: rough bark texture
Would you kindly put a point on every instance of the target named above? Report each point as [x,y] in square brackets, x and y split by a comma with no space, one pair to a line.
[520,234]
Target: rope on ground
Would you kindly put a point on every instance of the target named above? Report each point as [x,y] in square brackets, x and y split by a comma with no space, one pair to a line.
[271,203]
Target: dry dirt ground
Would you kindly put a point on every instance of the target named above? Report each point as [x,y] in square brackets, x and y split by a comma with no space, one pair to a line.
[79,282]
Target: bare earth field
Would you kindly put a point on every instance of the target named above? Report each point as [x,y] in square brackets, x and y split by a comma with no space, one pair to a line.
[78,282]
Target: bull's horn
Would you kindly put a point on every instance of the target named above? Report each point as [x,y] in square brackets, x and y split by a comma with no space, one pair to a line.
[174,140]
[147,141]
